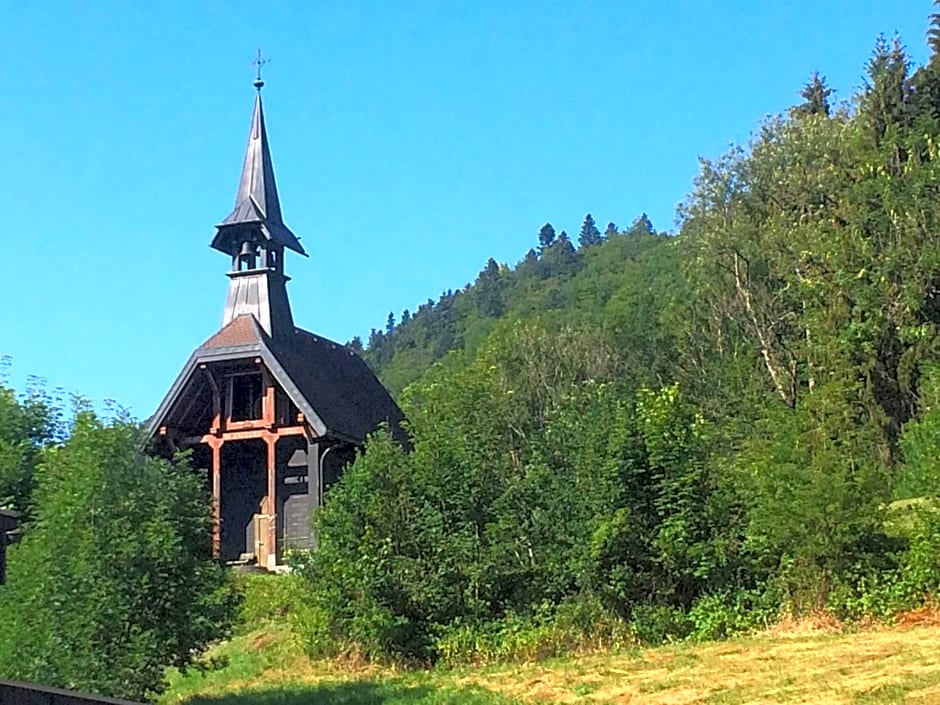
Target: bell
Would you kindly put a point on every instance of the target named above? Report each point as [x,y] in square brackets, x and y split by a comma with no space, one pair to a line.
[248,250]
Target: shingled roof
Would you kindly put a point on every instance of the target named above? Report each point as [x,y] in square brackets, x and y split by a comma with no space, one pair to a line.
[257,202]
[342,389]
[337,393]
[243,330]
[328,382]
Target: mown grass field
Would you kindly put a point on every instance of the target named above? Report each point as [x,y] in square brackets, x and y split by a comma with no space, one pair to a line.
[899,664]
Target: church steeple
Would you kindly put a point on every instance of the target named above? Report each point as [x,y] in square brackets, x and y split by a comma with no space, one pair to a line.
[257,206]
[255,237]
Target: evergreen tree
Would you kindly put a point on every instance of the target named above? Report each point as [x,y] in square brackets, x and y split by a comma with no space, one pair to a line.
[933,34]
[611,231]
[560,260]
[589,235]
[815,95]
[926,80]
[528,267]
[641,226]
[546,237]
[355,345]
[885,101]
[390,323]
[405,316]
[488,291]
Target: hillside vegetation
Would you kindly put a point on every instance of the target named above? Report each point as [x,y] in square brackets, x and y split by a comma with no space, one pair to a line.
[632,440]
[658,437]
[787,666]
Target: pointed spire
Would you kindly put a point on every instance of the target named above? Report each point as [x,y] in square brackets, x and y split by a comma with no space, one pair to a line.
[257,203]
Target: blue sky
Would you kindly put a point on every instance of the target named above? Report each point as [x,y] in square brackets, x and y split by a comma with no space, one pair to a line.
[411,141]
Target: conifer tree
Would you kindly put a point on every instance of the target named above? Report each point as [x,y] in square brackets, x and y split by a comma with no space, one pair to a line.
[815,95]
[886,97]
[926,80]
[390,323]
[546,237]
[933,34]
[559,260]
[611,231]
[589,235]
[641,226]
[488,290]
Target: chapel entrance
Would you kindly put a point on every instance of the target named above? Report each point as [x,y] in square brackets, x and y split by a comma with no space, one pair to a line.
[242,501]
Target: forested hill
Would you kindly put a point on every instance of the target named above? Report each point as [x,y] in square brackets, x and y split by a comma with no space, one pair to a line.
[595,283]
[634,437]
[686,434]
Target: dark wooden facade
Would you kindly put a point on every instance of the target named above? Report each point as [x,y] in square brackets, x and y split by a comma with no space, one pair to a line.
[272,411]
[8,523]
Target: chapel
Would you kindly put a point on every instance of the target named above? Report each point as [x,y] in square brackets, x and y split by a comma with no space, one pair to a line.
[273,411]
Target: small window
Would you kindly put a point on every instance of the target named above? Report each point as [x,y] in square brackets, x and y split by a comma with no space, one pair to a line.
[247,391]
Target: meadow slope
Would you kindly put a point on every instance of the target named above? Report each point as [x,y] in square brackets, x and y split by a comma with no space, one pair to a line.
[800,664]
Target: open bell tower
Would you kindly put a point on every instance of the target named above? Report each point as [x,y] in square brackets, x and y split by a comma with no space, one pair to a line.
[255,237]
[272,411]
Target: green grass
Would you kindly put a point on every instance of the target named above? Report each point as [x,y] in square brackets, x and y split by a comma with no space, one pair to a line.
[799,665]
[354,693]
[266,666]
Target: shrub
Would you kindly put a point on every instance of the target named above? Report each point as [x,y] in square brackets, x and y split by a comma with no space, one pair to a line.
[573,627]
[724,615]
[266,598]
[113,581]
[658,624]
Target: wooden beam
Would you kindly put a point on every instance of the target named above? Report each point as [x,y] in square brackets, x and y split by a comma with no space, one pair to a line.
[248,425]
[216,424]
[193,392]
[246,435]
[271,542]
[267,404]
[216,473]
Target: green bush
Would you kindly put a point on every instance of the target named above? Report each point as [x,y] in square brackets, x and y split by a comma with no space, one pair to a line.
[310,625]
[724,615]
[920,564]
[266,598]
[113,581]
[659,624]
[575,626]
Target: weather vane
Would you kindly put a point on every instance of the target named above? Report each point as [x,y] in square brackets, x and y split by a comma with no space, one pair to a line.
[258,63]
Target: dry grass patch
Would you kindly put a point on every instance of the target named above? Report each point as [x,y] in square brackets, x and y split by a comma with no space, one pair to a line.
[870,666]
[797,665]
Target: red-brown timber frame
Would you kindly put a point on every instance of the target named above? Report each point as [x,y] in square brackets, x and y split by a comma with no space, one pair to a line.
[223,430]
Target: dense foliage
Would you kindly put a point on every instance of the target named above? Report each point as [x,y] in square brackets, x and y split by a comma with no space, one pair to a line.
[26,426]
[112,581]
[685,434]
[644,437]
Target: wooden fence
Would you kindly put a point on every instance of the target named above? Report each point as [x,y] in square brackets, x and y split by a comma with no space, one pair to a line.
[12,693]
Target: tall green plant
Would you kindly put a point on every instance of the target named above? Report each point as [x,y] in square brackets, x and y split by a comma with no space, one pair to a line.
[113,581]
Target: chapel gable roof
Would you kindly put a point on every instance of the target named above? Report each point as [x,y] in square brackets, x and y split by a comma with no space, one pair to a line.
[328,382]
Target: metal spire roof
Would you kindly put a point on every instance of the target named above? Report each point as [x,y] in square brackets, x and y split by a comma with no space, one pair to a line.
[257,202]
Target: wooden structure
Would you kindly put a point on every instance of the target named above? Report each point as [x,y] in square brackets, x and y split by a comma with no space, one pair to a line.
[8,524]
[273,412]
[13,693]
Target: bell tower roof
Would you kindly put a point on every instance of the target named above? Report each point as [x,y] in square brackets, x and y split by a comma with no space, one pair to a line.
[257,206]
[255,237]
